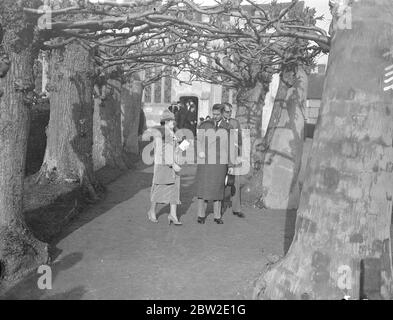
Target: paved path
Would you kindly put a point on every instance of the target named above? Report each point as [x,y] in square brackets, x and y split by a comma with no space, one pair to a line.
[111,251]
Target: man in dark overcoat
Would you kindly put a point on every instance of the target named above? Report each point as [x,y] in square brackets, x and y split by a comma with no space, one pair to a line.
[181,115]
[235,194]
[213,159]
[191,117]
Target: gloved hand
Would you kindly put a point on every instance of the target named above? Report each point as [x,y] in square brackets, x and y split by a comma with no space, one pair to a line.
[176,167]
[201,155]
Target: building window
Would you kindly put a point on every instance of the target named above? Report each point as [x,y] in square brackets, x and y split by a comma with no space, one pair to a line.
[148,94]
[225,94]
[167,89]
[226,18]
[198,16]
[147,91]
[157,89]
[234,94]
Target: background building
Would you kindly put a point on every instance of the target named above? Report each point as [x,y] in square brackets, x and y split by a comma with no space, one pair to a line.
[314,98]
[159,96]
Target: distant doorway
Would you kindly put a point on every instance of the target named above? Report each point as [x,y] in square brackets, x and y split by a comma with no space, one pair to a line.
[185,99]
[191,117]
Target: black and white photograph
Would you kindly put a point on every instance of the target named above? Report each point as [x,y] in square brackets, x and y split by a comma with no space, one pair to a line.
[219,152]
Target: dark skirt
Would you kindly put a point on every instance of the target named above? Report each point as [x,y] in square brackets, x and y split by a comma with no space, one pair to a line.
[211,181]
[166,193]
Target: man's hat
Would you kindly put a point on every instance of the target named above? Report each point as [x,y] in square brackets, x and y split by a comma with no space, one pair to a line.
[166,116]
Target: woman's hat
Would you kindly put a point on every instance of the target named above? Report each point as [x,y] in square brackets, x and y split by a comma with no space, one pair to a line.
[166,116]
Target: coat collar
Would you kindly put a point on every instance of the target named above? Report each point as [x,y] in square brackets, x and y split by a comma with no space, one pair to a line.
[223,124]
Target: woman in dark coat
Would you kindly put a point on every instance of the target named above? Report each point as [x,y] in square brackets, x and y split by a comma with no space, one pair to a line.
[211,174]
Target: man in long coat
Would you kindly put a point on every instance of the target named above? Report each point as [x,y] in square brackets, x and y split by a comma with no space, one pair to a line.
[235,194]
[191,117]
[181,115]
[213,159]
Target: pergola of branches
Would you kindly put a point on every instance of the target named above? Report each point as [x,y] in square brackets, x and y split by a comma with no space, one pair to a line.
[225,43]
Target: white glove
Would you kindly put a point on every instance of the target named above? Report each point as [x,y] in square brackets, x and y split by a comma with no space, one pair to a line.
[176,167]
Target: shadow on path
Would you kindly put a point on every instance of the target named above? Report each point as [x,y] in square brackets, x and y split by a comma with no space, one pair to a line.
[28,288]
[130,183]
[290,222]
[112,251]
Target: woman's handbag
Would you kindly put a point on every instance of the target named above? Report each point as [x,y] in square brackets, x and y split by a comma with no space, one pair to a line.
[229,180]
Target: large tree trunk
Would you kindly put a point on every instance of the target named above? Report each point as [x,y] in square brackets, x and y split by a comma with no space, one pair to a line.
[68,156]
[131,104]
[275,184]
[249,113]
[345,208]
[107,148]
[20,252]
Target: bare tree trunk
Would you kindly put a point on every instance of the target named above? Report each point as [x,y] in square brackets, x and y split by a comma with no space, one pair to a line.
[107,148]
[249,113]
[68,156]
[345,208]
[274,185]
[131,109]
[20,252]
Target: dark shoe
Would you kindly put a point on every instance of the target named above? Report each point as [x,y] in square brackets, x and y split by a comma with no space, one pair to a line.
[239,214]
[201,220]
[218,221]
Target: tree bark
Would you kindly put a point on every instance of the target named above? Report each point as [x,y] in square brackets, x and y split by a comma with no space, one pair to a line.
[68,156]
[249,113]
[107,132]
[345,208]
[131,105]
[275,184]
[20,252]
